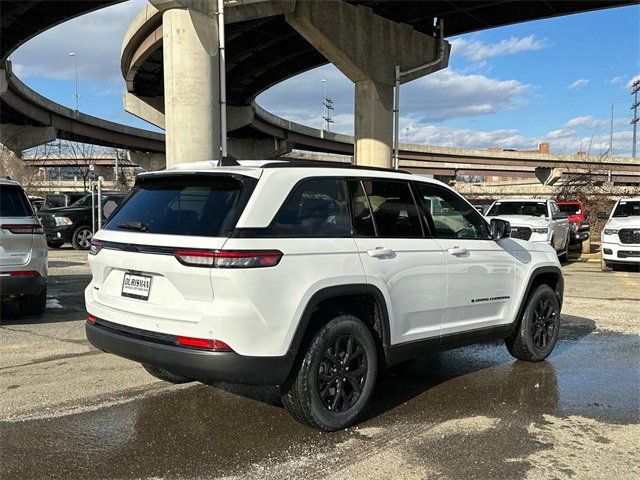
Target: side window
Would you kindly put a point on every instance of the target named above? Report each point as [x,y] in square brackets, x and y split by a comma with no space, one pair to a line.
[554,209]
[393,209]
[451,216]
[316,208]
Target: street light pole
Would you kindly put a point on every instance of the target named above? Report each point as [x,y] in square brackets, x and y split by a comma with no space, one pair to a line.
[76,96]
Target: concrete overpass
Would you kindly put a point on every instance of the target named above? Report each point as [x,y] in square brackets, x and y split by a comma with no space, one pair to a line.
[262,50]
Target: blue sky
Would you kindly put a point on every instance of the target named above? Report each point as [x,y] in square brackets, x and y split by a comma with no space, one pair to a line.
[549,80]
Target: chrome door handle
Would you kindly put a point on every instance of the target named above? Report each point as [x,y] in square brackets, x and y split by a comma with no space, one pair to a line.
[380,252]
[458,251]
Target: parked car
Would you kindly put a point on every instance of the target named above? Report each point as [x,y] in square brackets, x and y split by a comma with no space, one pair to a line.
[579,225]
[621,234]
[36,202]
[57,200]
[23,251]
[311,278]
[535,220]
[74,223]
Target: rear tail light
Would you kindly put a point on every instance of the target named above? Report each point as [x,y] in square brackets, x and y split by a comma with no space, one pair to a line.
[96,246]
[32,228]
[204,343]
[91,319]
[229,258]
[24,273]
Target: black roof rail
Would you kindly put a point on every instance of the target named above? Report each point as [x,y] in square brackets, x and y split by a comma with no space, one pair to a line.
[286,163]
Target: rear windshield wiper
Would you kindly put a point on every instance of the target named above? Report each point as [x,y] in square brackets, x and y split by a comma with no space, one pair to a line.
[133,226]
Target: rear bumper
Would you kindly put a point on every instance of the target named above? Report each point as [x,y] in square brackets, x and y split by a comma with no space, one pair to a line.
[141,346]
[10,286]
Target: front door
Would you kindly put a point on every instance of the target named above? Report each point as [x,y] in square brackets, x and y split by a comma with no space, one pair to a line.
[399,259]
[480,271]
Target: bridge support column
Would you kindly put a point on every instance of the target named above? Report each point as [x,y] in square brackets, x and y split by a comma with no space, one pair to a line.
[373,123]
[191,81]
[16,138]
[367,48]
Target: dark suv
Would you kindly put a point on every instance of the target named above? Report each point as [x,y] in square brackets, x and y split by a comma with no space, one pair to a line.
[74,223]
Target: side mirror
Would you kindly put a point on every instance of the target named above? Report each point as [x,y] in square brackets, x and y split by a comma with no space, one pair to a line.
[602,215]
[499,229]
[561,216]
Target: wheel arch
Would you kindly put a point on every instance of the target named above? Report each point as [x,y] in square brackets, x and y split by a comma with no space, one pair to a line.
[547,275]
[362,300]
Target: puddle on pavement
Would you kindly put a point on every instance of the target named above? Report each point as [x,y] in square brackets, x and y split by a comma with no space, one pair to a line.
[225,430]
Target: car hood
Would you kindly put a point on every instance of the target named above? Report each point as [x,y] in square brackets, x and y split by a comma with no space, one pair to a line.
[623,222]
[523,220]
[60,211]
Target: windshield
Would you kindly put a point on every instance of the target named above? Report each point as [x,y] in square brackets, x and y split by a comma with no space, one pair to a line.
[570,208]
[531,209]
[627,209]
[206,206]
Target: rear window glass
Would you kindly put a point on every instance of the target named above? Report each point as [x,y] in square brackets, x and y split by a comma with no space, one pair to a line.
[13,202]
[204,206]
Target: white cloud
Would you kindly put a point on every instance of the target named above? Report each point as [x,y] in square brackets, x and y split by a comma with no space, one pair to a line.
[633,80]
[618,79]
[443,95]
[563,141]
[578,121]
[477,51]
[94,37]
[579,83]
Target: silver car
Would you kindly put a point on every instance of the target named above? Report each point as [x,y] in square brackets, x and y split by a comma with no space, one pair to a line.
[23,251]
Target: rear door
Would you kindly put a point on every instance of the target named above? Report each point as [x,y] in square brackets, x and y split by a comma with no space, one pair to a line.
[398,256]
[167,218]
[17,226]
[480,270]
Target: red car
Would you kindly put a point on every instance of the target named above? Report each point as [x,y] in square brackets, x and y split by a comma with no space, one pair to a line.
[579,224]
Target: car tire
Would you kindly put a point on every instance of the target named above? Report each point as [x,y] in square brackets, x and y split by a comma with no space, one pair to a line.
[342,344]
[537,332]
[586,246]
[33,305]
[81,238]
[166,375]
[55,244]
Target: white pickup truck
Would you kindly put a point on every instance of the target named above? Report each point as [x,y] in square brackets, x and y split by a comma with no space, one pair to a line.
[535,220]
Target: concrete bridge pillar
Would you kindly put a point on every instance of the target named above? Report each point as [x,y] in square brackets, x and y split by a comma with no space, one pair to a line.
[191,80]
[373,123]
[367,48]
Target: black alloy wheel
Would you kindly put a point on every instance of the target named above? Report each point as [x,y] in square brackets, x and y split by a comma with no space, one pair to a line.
[342,374]
[537,332]
[544,323]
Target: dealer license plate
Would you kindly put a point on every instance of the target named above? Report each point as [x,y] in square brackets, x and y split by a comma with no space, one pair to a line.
[136,286]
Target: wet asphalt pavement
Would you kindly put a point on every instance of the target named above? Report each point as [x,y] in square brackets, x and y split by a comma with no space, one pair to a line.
[73,412]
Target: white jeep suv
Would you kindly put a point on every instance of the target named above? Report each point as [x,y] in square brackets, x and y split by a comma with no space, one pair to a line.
[312,277]
[621,234]
[536,221]
[23,251]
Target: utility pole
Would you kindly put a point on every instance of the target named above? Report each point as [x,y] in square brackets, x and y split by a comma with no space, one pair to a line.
[76,95]
[611,134]
[634,91]
[328,107]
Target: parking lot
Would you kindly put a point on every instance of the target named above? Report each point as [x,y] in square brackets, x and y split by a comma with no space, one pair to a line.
[70,411]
